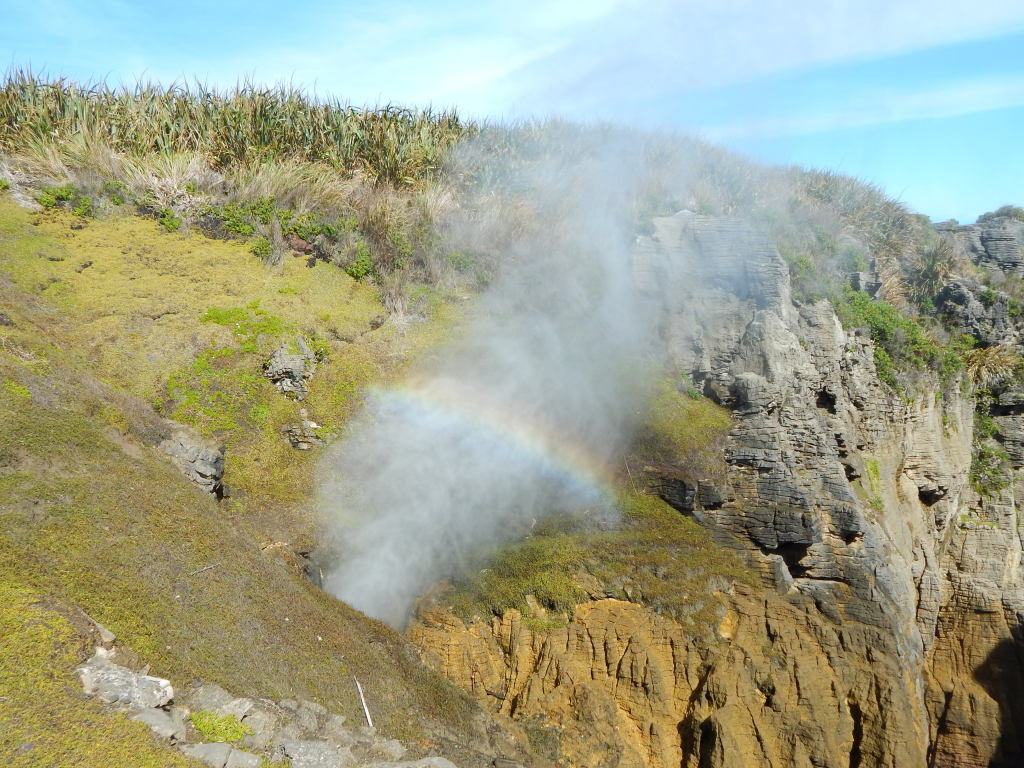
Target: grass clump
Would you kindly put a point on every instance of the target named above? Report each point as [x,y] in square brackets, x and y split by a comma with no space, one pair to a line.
[214,727]
[248,123]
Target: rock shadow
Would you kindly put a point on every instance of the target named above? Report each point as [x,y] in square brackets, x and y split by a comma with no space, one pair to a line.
[1002,677]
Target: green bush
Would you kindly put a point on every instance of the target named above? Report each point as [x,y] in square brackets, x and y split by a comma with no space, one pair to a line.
[990,469]
[4,185]
[261,247]
[169,219]
[214,727]
[362,264]
[1007,211]
[83,207]
[50,197]
[900,341]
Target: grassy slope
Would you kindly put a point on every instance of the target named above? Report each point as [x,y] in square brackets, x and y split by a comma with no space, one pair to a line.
[95,518]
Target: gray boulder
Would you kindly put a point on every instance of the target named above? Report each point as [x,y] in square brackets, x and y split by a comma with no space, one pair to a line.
[317,754]
[289,371]
[120,686]
[166,725]
[242,759]
[214,755]
[303,435]
[201,461]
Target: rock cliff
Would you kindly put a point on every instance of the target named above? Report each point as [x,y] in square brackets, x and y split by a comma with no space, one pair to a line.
[883,630]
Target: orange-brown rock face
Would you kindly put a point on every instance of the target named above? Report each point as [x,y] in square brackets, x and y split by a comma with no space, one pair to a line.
[773,685]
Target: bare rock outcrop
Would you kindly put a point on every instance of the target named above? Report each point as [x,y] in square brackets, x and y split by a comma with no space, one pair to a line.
[886,630]
[200,460]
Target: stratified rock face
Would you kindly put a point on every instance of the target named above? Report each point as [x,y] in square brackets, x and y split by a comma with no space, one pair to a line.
[892,593]
[996,244]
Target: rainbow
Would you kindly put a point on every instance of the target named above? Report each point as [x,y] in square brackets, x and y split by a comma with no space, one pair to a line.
[457,406]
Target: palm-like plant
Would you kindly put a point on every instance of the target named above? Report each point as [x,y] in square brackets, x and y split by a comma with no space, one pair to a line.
[990,365]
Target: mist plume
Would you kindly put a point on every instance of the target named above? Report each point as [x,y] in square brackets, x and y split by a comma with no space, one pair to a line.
[524,412]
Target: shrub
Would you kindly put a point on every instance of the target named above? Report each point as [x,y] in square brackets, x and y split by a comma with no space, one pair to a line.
[900,341]
[4,185]
[990,469]
[362,264]
[168,219]
[50,197]
[83,207]
[1006,211]
[262,247]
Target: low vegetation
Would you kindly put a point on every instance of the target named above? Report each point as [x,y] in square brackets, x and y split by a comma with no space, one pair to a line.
[652,555]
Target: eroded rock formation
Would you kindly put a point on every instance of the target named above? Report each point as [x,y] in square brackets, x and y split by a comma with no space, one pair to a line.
[884,629]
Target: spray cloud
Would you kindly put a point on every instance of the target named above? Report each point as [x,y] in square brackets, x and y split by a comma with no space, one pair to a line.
[523,413]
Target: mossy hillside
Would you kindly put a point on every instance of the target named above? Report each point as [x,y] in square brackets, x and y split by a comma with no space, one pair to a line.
[682,432]
[109,526]
[43,717]
[186,323]
[138,293]
[93,517]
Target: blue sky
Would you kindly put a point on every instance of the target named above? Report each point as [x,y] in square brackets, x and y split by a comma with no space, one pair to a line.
[923,97]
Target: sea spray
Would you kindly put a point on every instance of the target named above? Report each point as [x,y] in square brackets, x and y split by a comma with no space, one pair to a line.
[525,413]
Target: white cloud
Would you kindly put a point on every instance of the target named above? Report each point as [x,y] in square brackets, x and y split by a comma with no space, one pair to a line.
[642,50]
[880,107]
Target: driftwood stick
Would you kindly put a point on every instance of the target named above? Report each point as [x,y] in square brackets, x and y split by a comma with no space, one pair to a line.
[366,709]
[204,568]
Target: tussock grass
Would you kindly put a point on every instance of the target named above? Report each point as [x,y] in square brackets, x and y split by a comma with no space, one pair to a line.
[242,125]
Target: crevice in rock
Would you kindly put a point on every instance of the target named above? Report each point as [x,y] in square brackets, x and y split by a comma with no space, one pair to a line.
[706,745]
[792,553]
[826,400]
[858,735]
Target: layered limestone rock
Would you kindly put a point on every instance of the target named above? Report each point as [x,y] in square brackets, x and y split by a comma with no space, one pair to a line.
[995,244]
[883,633]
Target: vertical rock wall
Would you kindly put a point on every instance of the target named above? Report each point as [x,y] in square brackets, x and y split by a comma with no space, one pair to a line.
[884,630]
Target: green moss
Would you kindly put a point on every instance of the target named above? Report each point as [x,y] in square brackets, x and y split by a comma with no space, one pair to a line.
[684,429]
[14,389]
[214,727]
[874,473]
